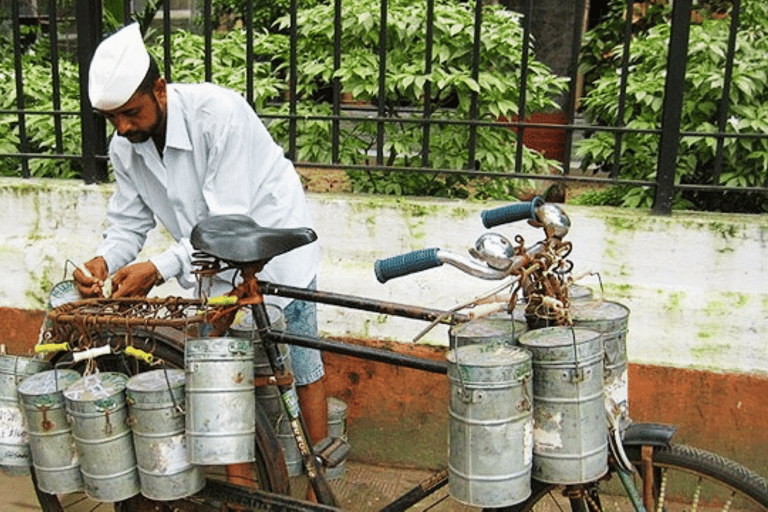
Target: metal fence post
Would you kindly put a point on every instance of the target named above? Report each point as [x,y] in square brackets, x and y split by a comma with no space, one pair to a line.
[88,14]
[674,86]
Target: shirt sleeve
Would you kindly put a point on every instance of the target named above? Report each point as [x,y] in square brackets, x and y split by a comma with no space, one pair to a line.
[176,261]
[129,221]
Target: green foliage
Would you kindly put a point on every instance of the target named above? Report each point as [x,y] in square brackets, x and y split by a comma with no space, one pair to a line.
[228,62]
[38,96]
[231,13]
[745,161]
[113,14]
[450,80]
[451,85]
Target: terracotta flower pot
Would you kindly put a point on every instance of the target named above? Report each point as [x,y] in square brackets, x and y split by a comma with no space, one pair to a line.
[550,142]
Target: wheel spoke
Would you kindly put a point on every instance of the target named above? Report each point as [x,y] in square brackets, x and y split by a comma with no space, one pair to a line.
[662,492]
[696,496]
[684,480]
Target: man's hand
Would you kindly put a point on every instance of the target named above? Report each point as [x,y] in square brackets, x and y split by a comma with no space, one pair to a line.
[91,286]
[135,280]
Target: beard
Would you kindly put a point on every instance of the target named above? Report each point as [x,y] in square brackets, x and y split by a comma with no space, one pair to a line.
[139,136]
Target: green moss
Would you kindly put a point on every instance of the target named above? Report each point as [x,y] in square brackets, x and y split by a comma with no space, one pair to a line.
[737,300]
[725,230]
[674,300]
[370,224]
[710,353]
[417,209]
[35,300]
[26,187]
[45,283]
[618,290]
[716,309]
[459,212]
[620,223]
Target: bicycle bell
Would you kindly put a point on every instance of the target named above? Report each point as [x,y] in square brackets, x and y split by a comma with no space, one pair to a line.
[494,249]
[553,219]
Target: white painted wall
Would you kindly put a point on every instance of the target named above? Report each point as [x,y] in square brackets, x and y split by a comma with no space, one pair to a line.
[696,284]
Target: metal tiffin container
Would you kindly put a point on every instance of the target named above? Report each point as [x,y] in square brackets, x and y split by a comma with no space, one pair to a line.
[155,407]
[570,436]
[268,397]
[490,424]
[611,320]
[99,417]
[495,328]
[15,457]
[54,455]
[579,292]
[220,400]
[337,427]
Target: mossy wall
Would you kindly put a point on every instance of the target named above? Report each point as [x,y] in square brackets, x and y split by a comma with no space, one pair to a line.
[694,282]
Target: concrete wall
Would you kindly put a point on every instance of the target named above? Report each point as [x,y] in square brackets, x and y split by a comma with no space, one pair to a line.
[695,283]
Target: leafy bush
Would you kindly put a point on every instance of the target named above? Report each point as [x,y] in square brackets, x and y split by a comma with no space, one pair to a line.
[231,13]
[451,87]
[228,62]
[745,161]
[38,96]
[450,77]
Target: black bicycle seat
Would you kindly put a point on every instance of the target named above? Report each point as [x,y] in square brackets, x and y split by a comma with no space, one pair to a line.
[239,239]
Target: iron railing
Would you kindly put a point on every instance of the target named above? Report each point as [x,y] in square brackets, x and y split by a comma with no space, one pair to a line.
[88,23]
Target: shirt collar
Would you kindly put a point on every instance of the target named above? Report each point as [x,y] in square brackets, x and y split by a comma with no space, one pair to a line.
[176,134]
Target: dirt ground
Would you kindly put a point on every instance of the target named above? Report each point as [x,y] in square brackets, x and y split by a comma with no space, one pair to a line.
[324,180]
[336,180]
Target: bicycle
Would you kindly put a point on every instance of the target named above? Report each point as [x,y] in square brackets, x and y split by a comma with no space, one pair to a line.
[139,334]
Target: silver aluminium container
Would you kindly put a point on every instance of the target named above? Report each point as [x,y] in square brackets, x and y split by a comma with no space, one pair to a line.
[611,320]
[15,457]
[490,424]
[579,293]
[496,328]
[570,437]
[99,418]
[337,427]
[220,400]
[155,405]
[268,397]
[54,455]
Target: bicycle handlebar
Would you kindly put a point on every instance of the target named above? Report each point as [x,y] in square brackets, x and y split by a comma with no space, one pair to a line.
[424,259]
[511,213]
[408,263]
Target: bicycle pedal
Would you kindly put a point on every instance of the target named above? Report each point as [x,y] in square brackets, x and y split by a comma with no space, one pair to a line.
[332,451]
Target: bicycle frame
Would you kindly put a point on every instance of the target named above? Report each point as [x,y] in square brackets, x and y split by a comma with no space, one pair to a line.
[271,338]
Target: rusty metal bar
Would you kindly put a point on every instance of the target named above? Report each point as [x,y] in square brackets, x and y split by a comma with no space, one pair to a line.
[418,493]
[361,303]
[359,351]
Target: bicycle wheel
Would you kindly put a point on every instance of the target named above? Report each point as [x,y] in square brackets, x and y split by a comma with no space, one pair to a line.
[683,479]
[268,472]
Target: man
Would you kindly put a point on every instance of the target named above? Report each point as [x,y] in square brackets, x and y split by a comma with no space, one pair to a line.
[184,152]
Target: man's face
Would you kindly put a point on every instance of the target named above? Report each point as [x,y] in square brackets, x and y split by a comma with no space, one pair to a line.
[140,118]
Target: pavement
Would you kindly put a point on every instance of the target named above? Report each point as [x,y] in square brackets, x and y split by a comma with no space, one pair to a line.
[362,488]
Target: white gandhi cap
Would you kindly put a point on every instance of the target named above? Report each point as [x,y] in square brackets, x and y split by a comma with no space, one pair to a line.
[118,66]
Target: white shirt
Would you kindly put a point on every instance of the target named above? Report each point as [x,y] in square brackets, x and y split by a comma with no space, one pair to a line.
[218,158]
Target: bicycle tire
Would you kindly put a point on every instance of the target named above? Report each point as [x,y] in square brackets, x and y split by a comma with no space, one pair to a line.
[269,469]
[691,475]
